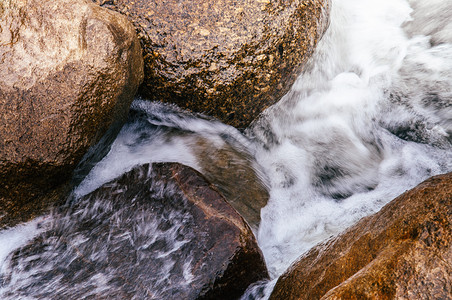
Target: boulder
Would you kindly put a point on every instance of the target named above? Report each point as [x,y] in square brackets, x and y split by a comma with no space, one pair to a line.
[217,151]
[159,231]
[68,71]
[231,171]
[402,252]
[228,59]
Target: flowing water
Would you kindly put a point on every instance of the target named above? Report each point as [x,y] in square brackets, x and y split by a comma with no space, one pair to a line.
[369,118]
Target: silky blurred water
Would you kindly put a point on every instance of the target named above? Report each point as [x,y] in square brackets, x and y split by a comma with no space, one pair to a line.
[370,117]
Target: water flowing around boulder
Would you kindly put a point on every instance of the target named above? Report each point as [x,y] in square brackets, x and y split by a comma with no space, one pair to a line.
[158,132]
[160,231]
[369,118]
[402,252]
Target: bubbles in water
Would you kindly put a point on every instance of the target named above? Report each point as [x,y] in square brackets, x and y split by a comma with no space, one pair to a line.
[369,119]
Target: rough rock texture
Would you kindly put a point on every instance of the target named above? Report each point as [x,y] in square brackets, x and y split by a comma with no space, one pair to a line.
[402,252]
[68,71]
[229,59]
[160,231]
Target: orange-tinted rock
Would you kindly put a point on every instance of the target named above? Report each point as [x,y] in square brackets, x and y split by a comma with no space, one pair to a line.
[402,252]
[160,231]
[229,59]
[68,71]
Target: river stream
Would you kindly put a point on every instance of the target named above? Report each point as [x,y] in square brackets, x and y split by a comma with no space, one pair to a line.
[370,118]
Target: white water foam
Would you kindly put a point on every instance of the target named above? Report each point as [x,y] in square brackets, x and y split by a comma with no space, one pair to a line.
[370,118]
[14,238]
[161,133]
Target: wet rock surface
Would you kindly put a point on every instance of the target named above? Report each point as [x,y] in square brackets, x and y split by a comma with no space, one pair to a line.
[227,59]
[160,231]
[68,71]
[222,155]
[225,161]
[232,172]
[402,252]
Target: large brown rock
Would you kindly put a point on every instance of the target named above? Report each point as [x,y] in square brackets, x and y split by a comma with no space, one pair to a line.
[402,252]
[68,71]
[160,231]
[229,59]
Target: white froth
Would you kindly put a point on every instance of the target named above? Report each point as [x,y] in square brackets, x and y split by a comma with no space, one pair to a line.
[370,118]
[122,158]
[13,238]
[165,135]
[356,130]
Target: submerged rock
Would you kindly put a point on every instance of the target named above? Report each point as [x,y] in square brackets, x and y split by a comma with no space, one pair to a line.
[402,252]
[160,231]
[68,71]
[228,59]
[232,172]
[159,132]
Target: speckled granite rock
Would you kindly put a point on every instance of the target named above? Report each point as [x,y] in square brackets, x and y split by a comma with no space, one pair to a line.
[68,71]
[402,252]
[160,231]
[229,59]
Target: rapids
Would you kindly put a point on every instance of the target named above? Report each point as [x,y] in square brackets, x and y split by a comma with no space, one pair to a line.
[370,117]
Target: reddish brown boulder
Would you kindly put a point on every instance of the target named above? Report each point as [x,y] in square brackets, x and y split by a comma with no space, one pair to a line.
[68,71]
[402,252]
[224,159]
[229,59]
[160,231]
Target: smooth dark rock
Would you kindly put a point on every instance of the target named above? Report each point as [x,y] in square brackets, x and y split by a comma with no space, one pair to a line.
[232,172]
[225,58]
[402,252]
[159,231]
[68,72]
